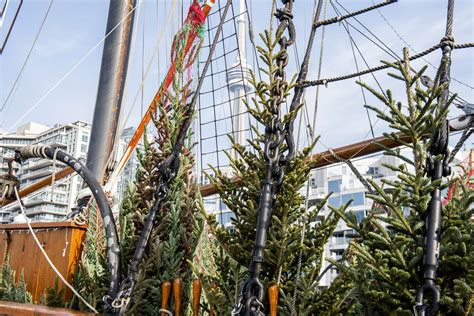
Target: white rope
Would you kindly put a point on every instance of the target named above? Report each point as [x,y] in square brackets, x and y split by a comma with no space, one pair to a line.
[47,257]
[31,109]
[53,176]
[164,310]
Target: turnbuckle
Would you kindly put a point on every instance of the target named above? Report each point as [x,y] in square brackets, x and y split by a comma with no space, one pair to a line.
[421,308]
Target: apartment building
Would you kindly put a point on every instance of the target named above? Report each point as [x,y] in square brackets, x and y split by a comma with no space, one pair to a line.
[49,204]
[128,174]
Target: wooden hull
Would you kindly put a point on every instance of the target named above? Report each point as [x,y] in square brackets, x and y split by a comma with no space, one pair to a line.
[62,242]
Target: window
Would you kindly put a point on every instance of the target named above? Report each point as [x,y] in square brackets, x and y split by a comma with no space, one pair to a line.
[334,185]
[358,198]
[373,170]
[334,201]
[222,206]
[360,215]
[313,183]
[225,218]
[85,138]
[84,148]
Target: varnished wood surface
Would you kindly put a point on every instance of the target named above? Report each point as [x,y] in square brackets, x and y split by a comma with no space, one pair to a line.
[165,295]
[62,242]
[273,299]
[18,309]
[177,294]
[197,287]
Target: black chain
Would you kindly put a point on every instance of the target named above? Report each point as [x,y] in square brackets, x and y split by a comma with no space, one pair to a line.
[277,132]
[168,170]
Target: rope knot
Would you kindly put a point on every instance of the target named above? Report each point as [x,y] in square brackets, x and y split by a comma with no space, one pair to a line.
[447,41]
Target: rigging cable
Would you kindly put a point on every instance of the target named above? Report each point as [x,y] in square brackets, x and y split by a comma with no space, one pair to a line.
[48,259]
[411,47]
[27,56]
[155,53]
[67,74]
[436,169]
[311,83]
[465,135]
[168,170]
[387,48]
[312,133]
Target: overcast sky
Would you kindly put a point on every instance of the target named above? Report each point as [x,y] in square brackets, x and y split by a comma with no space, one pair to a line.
[74,27]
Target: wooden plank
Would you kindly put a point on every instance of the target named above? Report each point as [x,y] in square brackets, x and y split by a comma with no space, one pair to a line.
[62,242]
[19,309]
[41,225]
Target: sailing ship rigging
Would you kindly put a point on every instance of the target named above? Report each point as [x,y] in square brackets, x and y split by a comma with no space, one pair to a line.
[217,104]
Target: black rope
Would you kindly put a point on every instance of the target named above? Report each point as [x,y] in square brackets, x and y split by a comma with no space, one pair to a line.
[411,47]
[343,17]
[311,83]
[465,135]
[385,47]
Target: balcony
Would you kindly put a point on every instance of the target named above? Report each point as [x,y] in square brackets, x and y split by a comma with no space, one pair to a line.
[43,172]
[40,163]
[338,243]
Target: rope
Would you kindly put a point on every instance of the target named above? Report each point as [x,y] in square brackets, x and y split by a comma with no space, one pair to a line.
[343,17]
[67,74]
[354,170]
[313,137]
[27,56]
[465,135]
[51,264]
[53,176]
[310,83]
[465,45]
[164,310]
[411,47]
[353,43]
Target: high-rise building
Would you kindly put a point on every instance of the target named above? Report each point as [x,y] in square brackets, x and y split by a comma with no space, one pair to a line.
[51,203]
[24,135]
[345,186]
[128,174]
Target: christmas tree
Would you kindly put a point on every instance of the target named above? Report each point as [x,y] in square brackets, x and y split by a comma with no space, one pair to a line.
[293,258]
[178,224]
[386,255]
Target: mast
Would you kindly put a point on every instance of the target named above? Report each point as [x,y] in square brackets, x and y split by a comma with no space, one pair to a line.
[113,72]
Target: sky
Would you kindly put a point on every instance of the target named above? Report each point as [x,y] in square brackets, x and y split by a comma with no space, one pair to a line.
[74,27]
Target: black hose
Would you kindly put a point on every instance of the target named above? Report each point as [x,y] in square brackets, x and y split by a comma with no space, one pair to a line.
[44,151]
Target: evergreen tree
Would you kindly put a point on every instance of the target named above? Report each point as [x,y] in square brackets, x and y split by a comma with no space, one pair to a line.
[178,225]
[289,216]
[387,252]
[10,289]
